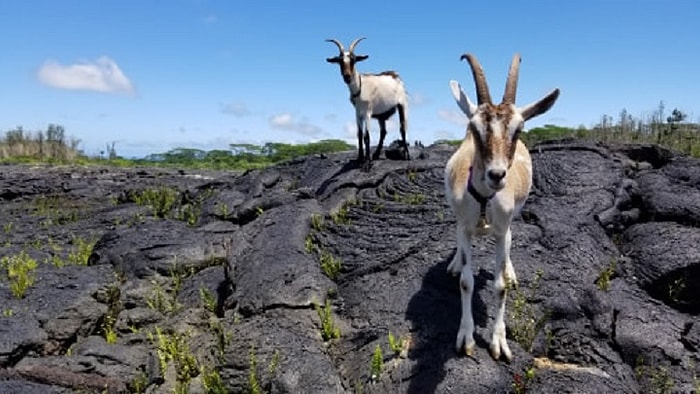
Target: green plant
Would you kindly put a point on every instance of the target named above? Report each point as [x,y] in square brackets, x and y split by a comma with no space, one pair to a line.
[328,329]
[108,330]
[525,322]
[189,213]
[161,200]
[309,245]
[521,381]
[81,250]
[377,364]
[259,211]
[675,289]
[7,228]
[410,199]
[208,299]
[340,216]
[7,312]
[175,348]
[656,378]
[253,384]
[139,383]
[317,222]
[330,265]
[20,272]
[603,280]
[222,210]
[412,176]
[161,301]
[223,338]
[397,345]
[211,379]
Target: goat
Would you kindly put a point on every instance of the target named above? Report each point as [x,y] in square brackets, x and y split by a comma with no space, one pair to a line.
[487,181]
[376,96]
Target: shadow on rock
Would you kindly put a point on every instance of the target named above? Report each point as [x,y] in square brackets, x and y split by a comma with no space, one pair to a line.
[435,312]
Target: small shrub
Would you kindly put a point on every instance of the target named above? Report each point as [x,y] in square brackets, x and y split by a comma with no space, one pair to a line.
[526,323]
[81,251]
[108,330]
[328,329]
[211,379]
[208,299]
[341,215]
[398,346]
[161,200]
[521,381]
[655,378]
[603,280]
[330,265]
[317,222]
[20,272]
[174,348]
[377,364]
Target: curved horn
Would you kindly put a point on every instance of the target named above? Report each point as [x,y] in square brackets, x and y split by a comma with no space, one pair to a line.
[352,46]
[336,42]
[512,82]
[482,88]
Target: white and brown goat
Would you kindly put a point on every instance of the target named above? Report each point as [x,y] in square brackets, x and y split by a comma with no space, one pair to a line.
[487,181]
[376,96]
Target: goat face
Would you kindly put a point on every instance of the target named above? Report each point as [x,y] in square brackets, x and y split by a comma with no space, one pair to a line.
[346,59]
[496,128]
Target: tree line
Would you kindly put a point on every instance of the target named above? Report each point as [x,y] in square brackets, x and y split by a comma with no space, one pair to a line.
[52,145]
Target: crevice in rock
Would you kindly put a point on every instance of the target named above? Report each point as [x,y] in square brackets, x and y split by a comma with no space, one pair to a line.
[678,289]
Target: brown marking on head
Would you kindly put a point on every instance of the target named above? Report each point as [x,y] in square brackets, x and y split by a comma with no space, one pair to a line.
[496,127]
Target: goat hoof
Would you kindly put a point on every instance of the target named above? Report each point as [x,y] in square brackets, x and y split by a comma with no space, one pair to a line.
[497,350]
[469,350]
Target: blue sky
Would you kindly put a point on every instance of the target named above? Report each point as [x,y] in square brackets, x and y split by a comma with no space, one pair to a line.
[155,75]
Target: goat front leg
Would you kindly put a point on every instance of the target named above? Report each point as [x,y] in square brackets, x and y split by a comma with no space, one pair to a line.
[360,150]
[382,134]
[465,335]
[504,276]
[367,163]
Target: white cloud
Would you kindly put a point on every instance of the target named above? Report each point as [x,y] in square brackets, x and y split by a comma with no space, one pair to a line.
[103,75]
[286,121]
[237,109]
[453,116]
[418,99]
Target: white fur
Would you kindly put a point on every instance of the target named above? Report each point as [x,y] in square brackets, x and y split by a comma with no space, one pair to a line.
[508,196]
[378,93]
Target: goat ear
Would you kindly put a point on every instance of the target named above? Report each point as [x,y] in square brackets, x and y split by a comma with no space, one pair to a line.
[333,60]
[462,99]
[359,58]
[541,106]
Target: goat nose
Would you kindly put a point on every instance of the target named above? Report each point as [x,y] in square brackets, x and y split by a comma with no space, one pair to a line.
[496,175]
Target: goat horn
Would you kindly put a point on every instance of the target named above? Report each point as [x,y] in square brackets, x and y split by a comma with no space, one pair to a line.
[512,82]
[482,88]
[336,42]
[352,46]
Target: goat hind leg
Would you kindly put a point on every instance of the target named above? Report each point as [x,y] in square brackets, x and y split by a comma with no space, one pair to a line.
[402,127]
[382,135]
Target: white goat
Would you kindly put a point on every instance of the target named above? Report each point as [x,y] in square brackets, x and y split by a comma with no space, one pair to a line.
[376,96]
[487,181]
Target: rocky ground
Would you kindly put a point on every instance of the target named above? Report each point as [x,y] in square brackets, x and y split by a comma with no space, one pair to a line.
[289,279]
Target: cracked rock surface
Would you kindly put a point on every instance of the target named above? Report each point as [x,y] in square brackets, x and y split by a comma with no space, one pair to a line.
[221,281]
